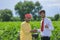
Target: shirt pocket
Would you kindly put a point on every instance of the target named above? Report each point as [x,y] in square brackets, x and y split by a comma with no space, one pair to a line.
[45,23]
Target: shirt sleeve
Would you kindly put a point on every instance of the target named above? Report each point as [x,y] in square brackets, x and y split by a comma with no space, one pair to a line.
[50,25]
[38,30]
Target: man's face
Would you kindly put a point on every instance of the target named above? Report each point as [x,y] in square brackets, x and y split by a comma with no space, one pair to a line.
[42,14]
[27,19]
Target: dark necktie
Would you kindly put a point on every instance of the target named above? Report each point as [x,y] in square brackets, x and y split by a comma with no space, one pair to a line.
[42,26]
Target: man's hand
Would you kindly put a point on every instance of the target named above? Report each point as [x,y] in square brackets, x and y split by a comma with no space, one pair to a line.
[46,26]
[33,31]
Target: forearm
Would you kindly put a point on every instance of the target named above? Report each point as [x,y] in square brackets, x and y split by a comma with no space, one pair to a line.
[51,28]
[38,30]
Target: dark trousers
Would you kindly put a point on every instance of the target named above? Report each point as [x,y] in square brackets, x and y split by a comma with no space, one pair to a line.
[45,38]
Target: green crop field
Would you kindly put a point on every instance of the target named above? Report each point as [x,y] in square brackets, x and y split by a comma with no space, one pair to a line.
[9,30]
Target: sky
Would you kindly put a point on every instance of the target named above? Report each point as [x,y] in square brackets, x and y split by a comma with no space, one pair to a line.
[51,7]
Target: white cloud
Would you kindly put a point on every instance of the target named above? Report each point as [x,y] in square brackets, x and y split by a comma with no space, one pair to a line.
[50,3]
[49,0]
[53,5]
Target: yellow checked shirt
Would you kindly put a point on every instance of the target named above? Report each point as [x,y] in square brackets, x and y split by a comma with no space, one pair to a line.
[25,31]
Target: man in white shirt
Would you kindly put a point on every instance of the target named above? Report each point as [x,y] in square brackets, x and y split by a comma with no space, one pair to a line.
[46,27]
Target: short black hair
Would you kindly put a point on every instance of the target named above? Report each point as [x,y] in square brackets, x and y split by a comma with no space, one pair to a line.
[42,11]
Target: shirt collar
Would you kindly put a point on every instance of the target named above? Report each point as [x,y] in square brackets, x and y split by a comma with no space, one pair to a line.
[44,18]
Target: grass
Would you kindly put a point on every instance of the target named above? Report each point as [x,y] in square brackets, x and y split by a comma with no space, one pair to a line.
[9,30]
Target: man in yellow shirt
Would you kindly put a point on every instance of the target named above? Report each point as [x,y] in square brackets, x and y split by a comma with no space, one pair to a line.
[25,33]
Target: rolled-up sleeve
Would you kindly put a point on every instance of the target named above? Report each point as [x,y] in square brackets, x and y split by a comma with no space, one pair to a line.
[38,30]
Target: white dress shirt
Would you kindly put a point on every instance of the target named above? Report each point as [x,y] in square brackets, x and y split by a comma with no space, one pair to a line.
[47,31]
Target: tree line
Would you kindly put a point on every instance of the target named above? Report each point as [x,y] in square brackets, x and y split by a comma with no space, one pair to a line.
[21,9]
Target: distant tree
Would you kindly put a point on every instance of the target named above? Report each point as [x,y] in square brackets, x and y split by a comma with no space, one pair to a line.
[59,18]
[56,17]
[5,15]
[52,18]
[37,8]
[26,7]
[1,11]
[15,19]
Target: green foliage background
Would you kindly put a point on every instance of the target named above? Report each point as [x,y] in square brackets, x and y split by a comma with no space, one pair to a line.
[9,30]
